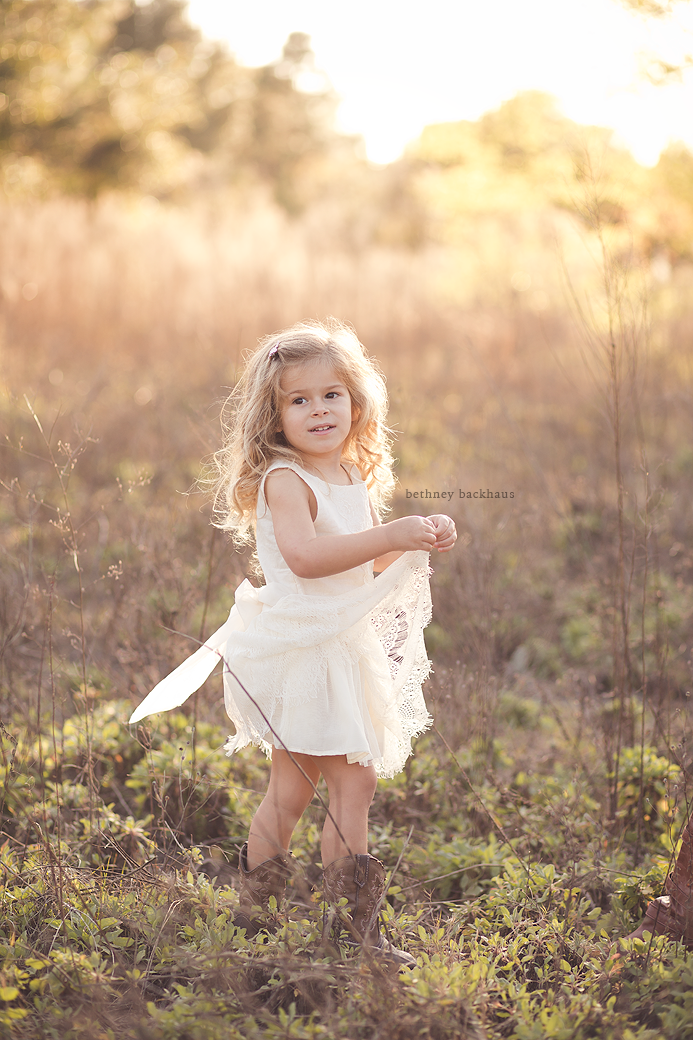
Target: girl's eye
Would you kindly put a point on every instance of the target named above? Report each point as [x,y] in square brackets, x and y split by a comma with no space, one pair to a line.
[298,400]
[332,393]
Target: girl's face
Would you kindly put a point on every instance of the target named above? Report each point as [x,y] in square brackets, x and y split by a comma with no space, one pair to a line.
[316,410]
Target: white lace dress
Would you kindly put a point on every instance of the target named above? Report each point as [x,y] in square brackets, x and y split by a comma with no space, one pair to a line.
[323,666]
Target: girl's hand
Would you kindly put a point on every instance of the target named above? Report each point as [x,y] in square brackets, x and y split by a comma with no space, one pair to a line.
[410,534]
[445,531]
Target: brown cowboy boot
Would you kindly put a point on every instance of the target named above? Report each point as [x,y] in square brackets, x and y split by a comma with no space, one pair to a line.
[361,880]
[672,914]
[258,886]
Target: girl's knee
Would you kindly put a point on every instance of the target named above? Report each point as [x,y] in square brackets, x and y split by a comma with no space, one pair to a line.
[290,799]
[290,789]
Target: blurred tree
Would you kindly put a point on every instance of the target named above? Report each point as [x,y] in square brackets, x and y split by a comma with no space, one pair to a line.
[523,155]
[98,94]
[672,182]
[653,7]
[527,156]
[288,120]
[660,70]
[656,8]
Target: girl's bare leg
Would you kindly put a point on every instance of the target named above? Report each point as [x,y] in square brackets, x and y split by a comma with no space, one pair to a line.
[351,789]
[288,795]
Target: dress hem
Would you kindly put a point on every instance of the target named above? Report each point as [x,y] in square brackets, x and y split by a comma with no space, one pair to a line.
[313,754]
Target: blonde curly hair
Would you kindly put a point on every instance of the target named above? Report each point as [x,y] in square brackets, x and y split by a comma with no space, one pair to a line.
[251,420]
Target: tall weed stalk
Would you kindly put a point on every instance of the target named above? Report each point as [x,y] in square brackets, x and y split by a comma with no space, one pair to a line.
[615,337]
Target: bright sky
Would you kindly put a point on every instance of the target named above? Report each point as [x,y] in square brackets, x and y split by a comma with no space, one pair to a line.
[399,64]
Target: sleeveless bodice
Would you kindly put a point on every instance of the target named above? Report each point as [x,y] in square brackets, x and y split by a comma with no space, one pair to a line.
[342,509]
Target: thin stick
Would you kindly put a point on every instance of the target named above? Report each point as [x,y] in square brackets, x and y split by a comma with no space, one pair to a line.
[208,593]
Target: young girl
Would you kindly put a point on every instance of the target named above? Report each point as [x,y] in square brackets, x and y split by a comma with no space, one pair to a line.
[323,665]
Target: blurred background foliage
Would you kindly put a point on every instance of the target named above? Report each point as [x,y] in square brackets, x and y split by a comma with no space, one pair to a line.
[103,95]
[112,94]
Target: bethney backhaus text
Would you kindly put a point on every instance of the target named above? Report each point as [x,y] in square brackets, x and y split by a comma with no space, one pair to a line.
[448,495]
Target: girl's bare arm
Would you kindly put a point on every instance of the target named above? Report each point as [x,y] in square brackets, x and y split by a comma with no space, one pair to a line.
[381,562]
[292,505]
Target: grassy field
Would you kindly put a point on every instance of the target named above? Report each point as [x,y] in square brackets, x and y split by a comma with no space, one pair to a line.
[542,810]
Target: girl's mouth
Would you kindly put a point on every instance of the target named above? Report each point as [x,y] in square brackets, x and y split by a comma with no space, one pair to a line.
[321,429]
